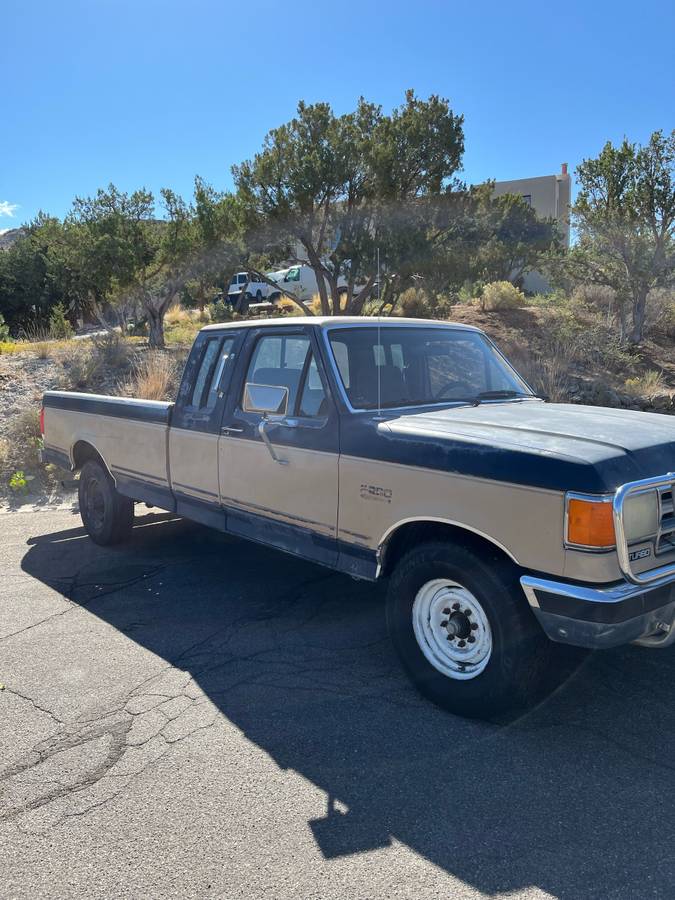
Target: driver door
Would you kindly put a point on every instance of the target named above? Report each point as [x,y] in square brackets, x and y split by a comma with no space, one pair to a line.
[279,483]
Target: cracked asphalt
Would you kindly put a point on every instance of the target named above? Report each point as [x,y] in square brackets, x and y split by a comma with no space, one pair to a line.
[190,715]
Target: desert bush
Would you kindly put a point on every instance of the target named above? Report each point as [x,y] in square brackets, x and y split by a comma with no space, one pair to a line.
[287,307]
[469,291]
[59,326]
[25,430]
[79,367]
[154,377]
[595,296]
[220,311]
[660,319]
[647,385]
[547,373]
[415,303]
[176,315]
[112,351]
[501,295]
[19,482]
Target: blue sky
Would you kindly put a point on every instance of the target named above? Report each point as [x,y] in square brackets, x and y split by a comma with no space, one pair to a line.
[149,93]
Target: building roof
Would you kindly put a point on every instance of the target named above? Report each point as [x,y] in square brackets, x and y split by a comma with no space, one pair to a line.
[333,321]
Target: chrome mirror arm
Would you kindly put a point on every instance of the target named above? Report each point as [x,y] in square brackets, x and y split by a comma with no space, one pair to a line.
[262,431]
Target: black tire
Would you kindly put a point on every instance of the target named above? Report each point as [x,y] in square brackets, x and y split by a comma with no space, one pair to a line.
[515,675]
[258,296]
[107,516]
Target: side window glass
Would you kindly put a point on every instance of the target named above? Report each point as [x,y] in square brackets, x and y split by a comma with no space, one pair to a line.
[225,354]
[280,361]
[205,370]
[342,360]
[313,400]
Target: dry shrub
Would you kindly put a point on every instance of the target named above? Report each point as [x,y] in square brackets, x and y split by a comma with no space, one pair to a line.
[154,377]
[177,315]
[501,295]
[112,352]
[4,454]
[660,318]
[79,367]
[288,308]
[415,303]
[595,296]
[19,450]
[648,385]
[547,373]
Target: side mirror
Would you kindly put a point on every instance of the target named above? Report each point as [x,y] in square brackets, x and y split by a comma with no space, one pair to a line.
[269,399]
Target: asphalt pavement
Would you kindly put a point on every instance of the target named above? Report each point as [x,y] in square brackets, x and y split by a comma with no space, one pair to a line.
[189,715]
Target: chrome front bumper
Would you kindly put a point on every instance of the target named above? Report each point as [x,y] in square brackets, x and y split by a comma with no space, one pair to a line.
[601,617]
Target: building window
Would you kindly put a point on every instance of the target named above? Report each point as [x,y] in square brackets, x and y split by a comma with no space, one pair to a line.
[527,198]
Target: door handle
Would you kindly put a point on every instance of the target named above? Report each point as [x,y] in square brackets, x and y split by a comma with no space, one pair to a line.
[231,429]
[262,431]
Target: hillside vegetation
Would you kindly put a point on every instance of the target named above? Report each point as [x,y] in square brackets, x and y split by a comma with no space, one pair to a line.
[565,349]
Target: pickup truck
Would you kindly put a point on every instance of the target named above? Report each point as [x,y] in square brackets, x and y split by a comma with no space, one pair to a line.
[255,291]
[505,526]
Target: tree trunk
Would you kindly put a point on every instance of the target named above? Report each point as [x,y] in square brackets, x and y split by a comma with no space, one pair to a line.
[316,264]
[155,328]
[639,313]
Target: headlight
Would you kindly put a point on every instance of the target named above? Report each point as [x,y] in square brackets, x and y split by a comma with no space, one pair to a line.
[641,516]
[590,522]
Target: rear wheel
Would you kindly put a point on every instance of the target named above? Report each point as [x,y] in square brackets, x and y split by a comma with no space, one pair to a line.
[107,516]
[464,632]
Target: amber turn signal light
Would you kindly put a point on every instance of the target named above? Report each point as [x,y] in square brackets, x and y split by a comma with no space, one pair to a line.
[590,523]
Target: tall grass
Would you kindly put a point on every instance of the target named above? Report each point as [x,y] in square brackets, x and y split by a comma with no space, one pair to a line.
[154,377]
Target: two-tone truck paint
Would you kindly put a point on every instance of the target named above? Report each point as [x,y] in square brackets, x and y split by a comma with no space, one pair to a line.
[408,450]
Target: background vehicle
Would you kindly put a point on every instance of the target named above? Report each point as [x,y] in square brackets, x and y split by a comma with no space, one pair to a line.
[412,451]
[300,281]
[254,291]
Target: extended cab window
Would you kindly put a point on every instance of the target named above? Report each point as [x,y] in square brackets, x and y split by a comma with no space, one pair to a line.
[287,361]
[313,400]
[214,359]
[412,366]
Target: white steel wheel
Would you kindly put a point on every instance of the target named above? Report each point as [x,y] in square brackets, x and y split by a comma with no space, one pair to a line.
[452,629]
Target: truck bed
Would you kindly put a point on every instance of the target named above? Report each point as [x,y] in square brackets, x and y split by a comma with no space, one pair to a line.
[130,435]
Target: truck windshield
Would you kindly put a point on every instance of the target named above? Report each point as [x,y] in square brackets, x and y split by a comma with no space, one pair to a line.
[419,366]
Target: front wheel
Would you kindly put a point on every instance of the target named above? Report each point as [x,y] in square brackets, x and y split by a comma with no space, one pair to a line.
[107,516]
[464,632]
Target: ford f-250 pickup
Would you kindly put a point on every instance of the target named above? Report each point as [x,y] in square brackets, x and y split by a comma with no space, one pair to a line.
[506,526]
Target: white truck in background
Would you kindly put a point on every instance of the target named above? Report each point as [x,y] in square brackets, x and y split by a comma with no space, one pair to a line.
[255,291]
[299,280]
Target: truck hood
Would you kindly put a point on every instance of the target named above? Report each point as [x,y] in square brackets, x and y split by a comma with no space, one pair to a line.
[553,445]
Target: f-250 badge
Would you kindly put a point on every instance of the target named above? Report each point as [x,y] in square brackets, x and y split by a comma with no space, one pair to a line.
[372,492]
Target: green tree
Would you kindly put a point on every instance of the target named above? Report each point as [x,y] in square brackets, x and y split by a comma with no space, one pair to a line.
[625,219]
[30,276]
[328,191]
[126,253]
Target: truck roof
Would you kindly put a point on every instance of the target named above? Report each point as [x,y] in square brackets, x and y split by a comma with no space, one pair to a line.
[333,321]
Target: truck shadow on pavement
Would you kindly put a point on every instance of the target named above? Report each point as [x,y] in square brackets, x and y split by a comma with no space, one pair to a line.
[576,798]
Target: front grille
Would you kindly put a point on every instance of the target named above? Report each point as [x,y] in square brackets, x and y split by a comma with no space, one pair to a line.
[664,542]
[665,538]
